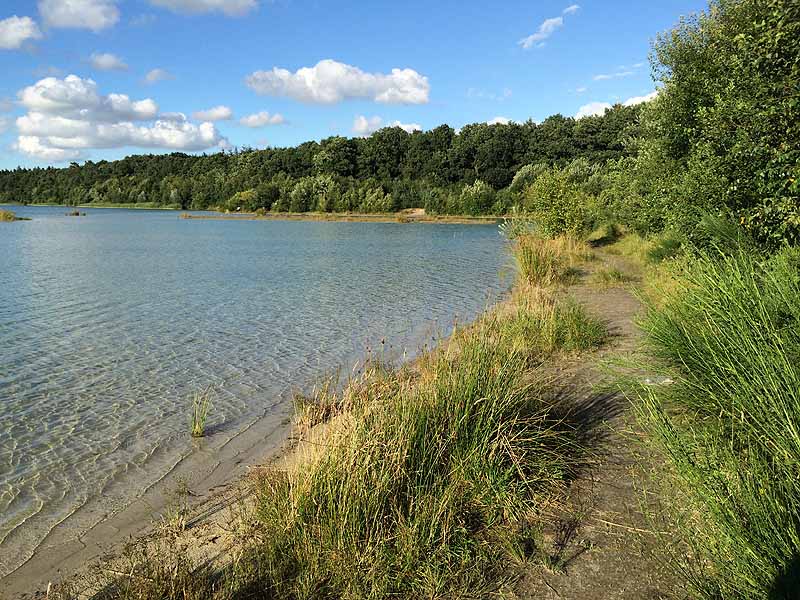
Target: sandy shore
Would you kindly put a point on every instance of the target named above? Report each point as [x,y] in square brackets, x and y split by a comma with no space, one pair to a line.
[213,479]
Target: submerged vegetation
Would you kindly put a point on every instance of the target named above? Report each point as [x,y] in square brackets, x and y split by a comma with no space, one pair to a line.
[201,405]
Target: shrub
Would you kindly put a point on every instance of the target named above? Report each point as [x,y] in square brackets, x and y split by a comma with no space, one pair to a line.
[558,206]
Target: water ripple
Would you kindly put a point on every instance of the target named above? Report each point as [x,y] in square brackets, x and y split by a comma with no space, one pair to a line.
[109,322]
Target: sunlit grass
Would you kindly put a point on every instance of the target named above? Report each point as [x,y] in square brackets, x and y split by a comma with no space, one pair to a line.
[201,405]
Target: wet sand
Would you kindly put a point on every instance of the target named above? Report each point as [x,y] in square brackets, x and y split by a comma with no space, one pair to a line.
[71,546]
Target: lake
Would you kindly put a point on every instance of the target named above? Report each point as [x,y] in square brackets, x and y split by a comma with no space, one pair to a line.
[109,322]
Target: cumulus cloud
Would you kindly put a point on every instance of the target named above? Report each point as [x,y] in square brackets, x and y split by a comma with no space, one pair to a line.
[15,31]
[232,8]
[407,127]
[499,121]
[69,116]
[95,15]
[547,28]
[329,82]
[592,109]
[640,99]
[107,62]
[262,119]
[218,113]
[156,75]
[366,126]
[599,108]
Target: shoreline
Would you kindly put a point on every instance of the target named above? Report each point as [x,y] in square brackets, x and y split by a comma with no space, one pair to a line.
[68,549]
[398,217]
[395,217]
[215,479]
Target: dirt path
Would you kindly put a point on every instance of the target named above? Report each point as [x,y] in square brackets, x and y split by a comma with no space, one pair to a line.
[600,547]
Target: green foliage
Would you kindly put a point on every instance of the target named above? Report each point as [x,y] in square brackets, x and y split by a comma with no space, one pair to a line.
[727,115]
[558,206]
[424,169]
[475,199]
[728,338]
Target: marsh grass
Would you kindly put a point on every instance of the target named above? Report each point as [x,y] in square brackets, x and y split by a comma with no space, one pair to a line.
[729,337]
[7,216]
[547,262]
[425,482]
[201,405]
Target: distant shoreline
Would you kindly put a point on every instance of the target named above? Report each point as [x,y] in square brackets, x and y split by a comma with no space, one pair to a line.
[398,217]
[405,216]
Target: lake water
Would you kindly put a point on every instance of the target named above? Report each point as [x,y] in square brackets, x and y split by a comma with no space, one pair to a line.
[109,322]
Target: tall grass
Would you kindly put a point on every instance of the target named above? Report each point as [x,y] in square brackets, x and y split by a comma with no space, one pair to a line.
[201,405]
[426,482]
[729,338]
[545,262]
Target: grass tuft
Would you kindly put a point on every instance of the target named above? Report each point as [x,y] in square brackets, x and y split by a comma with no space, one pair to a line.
[6,216]
[729,339]
[546,262]
[201,405]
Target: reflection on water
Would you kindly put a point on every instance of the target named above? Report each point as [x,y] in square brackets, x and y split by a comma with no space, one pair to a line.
[109,321]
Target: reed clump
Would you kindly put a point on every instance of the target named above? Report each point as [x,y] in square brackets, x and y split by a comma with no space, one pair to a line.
[546,262]
[7,216]
[201,405]
[729,339]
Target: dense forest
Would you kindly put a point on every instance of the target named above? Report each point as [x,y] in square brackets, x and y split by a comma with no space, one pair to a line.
[470,171]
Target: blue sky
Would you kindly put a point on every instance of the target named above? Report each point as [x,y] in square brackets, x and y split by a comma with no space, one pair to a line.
[226,73]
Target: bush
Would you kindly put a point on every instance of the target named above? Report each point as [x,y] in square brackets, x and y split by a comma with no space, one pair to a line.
[476,199]
[558,206]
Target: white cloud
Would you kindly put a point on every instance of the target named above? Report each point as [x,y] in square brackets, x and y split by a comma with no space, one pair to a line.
[156,75]
[69,116]
[407,127]
[107,62]
[218,113]
[262,119]
[592,109]
[15,31]
[365,126]
[76,98]
[499,121]
[599,108]
[79,14]
[617,75]
[640,99]
[330,81]
[580,90]
[545,30]
[232,8]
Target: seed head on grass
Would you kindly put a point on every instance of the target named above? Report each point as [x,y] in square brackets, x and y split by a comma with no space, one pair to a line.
[201,404]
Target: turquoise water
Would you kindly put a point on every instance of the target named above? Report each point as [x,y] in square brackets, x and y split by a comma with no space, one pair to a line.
[108,322]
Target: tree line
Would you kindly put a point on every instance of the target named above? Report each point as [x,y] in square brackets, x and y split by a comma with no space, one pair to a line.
[469,171]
